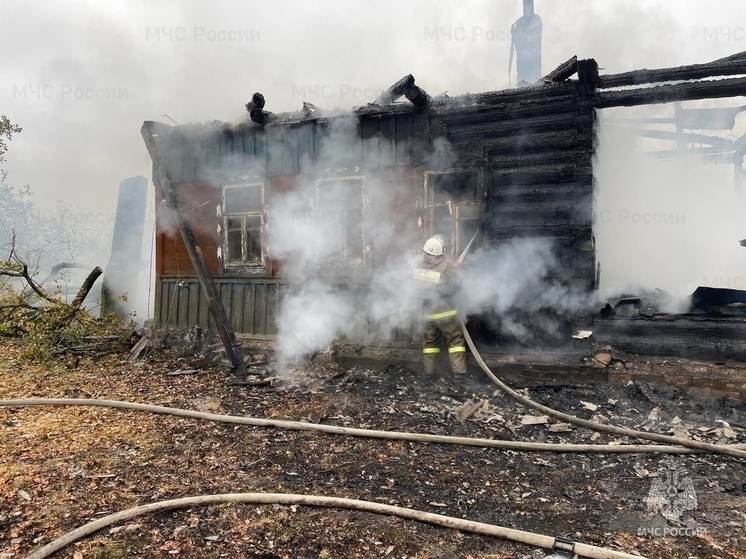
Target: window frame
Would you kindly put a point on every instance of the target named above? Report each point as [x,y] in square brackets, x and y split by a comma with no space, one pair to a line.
[471,210]
[242,263]
[346,263]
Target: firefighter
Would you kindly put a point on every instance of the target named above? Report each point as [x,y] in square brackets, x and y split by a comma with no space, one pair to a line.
[440,280]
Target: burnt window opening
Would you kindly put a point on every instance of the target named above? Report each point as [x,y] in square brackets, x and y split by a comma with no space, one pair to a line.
[340,209]
[452,206]
[243,225]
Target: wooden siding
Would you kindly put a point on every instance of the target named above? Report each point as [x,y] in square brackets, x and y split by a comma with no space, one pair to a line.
[221,154]
[540,184]
[198,203]
[251,304]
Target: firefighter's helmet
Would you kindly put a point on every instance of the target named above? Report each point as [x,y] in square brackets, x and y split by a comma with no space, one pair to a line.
[435,245]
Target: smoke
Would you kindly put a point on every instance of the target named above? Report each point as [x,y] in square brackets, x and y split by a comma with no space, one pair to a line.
[340,239]
[671,224]
[517,287]
[348,243]
[310,318]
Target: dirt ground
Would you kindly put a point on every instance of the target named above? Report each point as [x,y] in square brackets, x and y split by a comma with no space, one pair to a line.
[64,466]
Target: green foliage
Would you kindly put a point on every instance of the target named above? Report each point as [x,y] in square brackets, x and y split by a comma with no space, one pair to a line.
[58,331]
[7,129]
[50,330]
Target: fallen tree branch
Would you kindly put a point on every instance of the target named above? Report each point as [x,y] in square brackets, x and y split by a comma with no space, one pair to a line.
[23,273]
[86,287]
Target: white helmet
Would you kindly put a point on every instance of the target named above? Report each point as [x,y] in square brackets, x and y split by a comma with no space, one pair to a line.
[435,246]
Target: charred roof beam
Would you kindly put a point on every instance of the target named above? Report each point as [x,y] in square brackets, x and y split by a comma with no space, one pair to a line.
[720,143]
[705,89]
[731,66]
[406,87]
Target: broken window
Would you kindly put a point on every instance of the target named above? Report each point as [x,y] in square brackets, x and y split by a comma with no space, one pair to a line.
[340,210]
[452,204]
[243,224]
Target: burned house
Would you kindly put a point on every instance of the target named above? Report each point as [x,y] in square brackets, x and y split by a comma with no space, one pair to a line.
[509,164]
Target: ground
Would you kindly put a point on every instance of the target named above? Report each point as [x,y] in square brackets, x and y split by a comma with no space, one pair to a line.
[64,466]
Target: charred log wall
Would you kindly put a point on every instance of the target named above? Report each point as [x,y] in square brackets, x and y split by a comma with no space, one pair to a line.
[533,146]
[696,337]
[537,151]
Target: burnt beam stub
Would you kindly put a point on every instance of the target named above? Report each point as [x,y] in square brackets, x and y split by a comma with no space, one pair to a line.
[261,117]
[587,76]
[257,102]
[417,96]
[309,110]
[406,87]
[257,114]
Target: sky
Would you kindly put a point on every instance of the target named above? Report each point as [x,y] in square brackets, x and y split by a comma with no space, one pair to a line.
[80,77]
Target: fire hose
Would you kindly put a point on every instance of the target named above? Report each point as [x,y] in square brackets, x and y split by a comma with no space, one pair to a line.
[365,433]
[595,425]
[440,520]
[481,528]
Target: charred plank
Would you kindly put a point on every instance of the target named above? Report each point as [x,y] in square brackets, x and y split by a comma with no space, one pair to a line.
[257,114]
[532,143]
[561,72]
[721,143]
[518,128]
[195,254]
[512,111]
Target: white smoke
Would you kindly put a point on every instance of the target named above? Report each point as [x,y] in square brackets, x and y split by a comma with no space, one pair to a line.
[311,318]
[517,286]
[375,296]
[665,224]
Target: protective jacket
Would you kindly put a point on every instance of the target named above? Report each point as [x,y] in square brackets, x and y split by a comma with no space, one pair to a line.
[439,285]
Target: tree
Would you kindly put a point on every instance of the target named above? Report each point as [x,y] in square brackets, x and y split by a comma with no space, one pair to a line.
[43,239]
[29,239]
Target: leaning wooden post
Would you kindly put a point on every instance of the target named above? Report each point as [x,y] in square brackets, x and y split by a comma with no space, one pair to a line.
[195,254]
